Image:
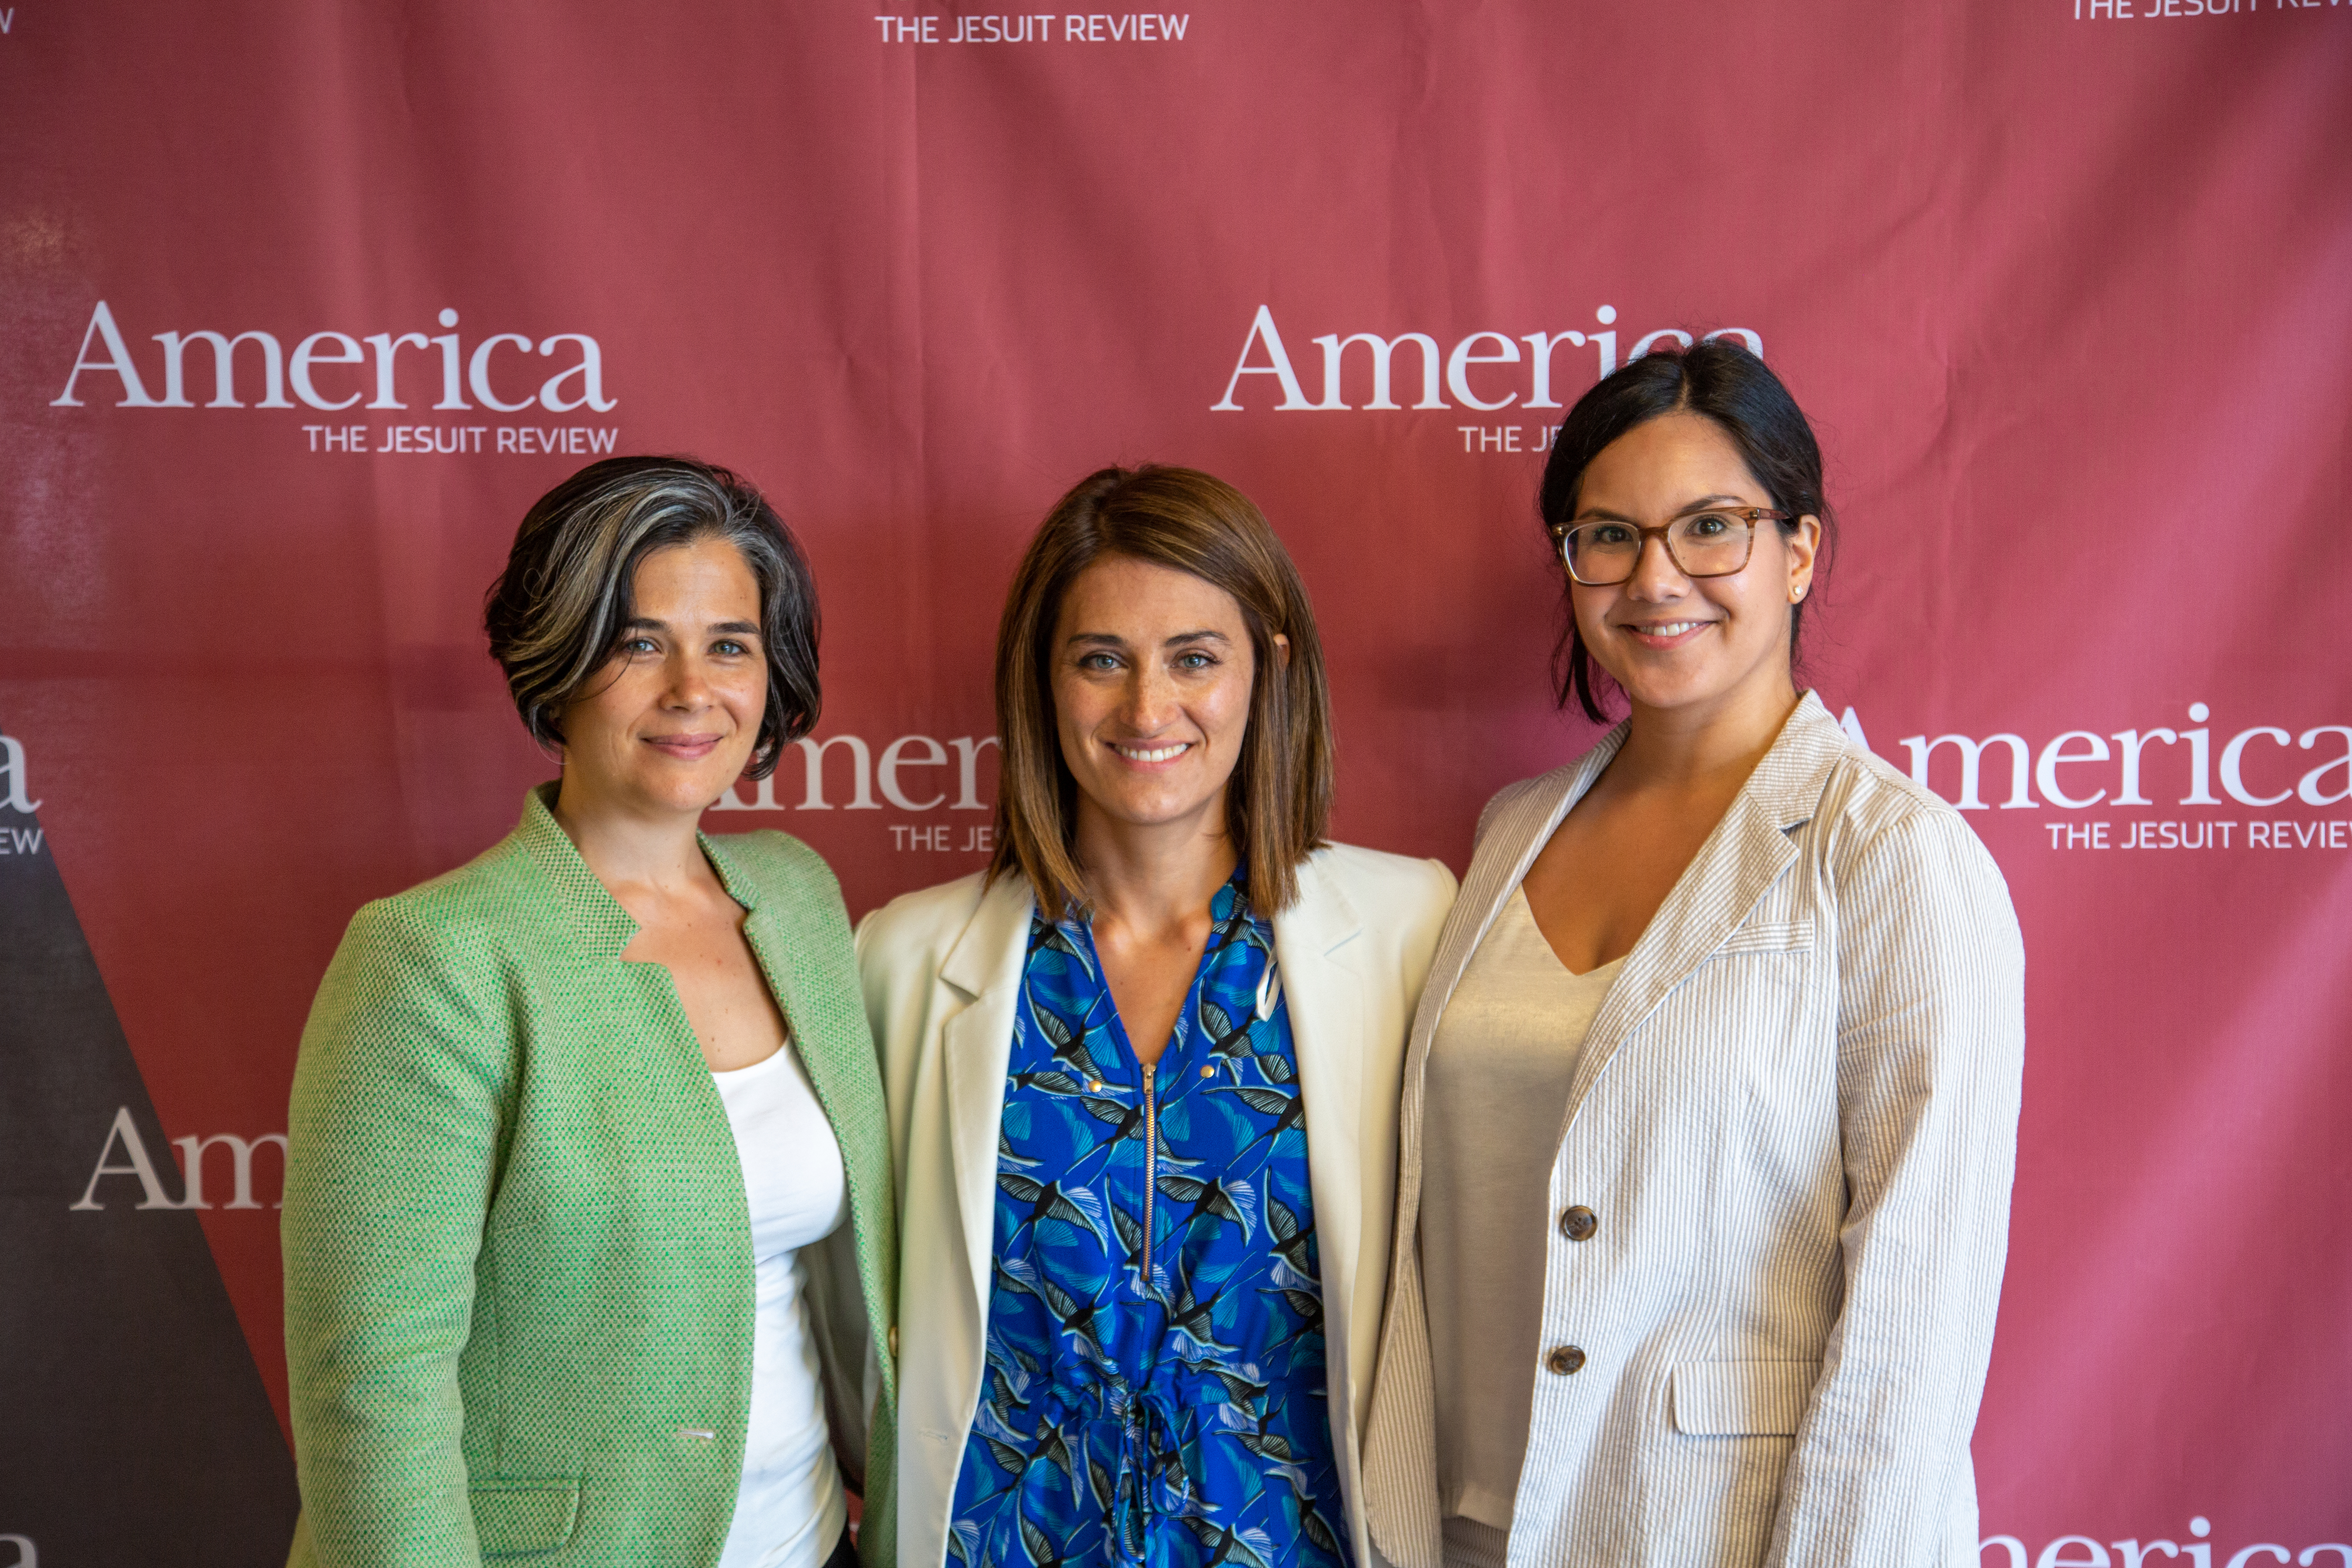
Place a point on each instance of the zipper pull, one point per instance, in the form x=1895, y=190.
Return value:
x=1151, y=1169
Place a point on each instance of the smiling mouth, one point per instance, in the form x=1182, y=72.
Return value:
x=1160, y=754
x=683, y=744
x=1667, y=628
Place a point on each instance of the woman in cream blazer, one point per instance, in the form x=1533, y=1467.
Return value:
x=947, y=970
x=1749, y=1279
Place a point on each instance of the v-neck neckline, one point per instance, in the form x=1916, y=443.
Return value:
x=1182, y=1034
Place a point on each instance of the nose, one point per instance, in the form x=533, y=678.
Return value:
x=1655, y=575
x=1149, y=698
x=688, y=684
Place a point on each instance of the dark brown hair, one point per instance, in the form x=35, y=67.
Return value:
x=1724, y=382
x=557, y=611
x=1278, y=802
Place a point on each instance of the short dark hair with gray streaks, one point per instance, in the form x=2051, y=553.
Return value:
x=556, y=613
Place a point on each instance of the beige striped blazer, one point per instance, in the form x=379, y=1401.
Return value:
x=1795, y=1118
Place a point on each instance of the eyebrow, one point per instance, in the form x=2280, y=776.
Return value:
x=728, y=629
x=1108, y=639
x=1601, y=514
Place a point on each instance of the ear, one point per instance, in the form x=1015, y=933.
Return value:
x=1282, y=650
x=1803, y=546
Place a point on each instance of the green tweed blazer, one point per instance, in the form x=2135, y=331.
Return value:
x=519, y=1278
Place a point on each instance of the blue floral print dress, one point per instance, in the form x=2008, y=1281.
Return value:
x=1154, y=1391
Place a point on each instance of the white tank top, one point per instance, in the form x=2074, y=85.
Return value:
x=789, y=1508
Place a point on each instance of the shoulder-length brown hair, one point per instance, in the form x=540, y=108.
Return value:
x=1278, y=802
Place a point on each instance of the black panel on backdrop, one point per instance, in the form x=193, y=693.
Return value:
x=136, y=1427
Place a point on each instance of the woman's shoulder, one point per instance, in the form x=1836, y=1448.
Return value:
x=1385, y=880
x=1866, y=797
x=928, y=920
x=1877, y=823
x=1548, y=782
x=495, y=893
x=1398, y=902
x=1540, y=792
x=444, y=946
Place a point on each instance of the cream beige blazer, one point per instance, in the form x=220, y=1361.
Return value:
x=941, y=970
x=1795, y=1120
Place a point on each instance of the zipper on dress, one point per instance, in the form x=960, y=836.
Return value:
x=1150, y=1168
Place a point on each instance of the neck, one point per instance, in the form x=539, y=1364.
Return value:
x=625, y=846
x=1150, y=878
x=1694, y=748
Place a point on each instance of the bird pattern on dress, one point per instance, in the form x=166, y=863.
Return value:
x=1154, y=1391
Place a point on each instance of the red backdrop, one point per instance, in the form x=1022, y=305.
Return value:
x=2065, y=284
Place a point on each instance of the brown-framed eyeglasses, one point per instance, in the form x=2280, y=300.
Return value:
x=1715, y=542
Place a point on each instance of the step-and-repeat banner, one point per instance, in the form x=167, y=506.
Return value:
x=301, y=304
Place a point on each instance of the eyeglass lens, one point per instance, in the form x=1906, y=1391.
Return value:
x=1707, y=544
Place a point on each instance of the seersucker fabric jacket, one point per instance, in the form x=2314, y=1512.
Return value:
x=942, y=972
x=519, y=1273
x=1795, y=1118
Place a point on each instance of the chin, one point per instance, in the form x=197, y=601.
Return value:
x=1151, y=812
x=684, y=797
x=1670, y=693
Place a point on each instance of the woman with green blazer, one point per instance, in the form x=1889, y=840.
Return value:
x=589, y=1239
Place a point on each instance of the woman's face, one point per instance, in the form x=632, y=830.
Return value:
x=668, y=725
x=1683, y=644
x=1151, y=676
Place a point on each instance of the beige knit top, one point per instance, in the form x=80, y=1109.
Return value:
x=1498, y=1094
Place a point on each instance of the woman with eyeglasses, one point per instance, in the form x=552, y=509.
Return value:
x=1710, y=1108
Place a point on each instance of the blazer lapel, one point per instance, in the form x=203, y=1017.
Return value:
x=774, y=928
x=982, y=975
x=1311, y=948
x=1520, y=829
x=782, y=959
x=817, y=997
x=1747, y=853
x=800, y=937
x=604, y=926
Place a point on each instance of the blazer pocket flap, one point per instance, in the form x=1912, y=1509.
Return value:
x=522, y=1519
x=1743, y=1398
x=1770, y=936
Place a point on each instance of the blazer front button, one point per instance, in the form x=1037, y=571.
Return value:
x=1564, y=1359
x=1578, y=1224
x=894, y=1341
